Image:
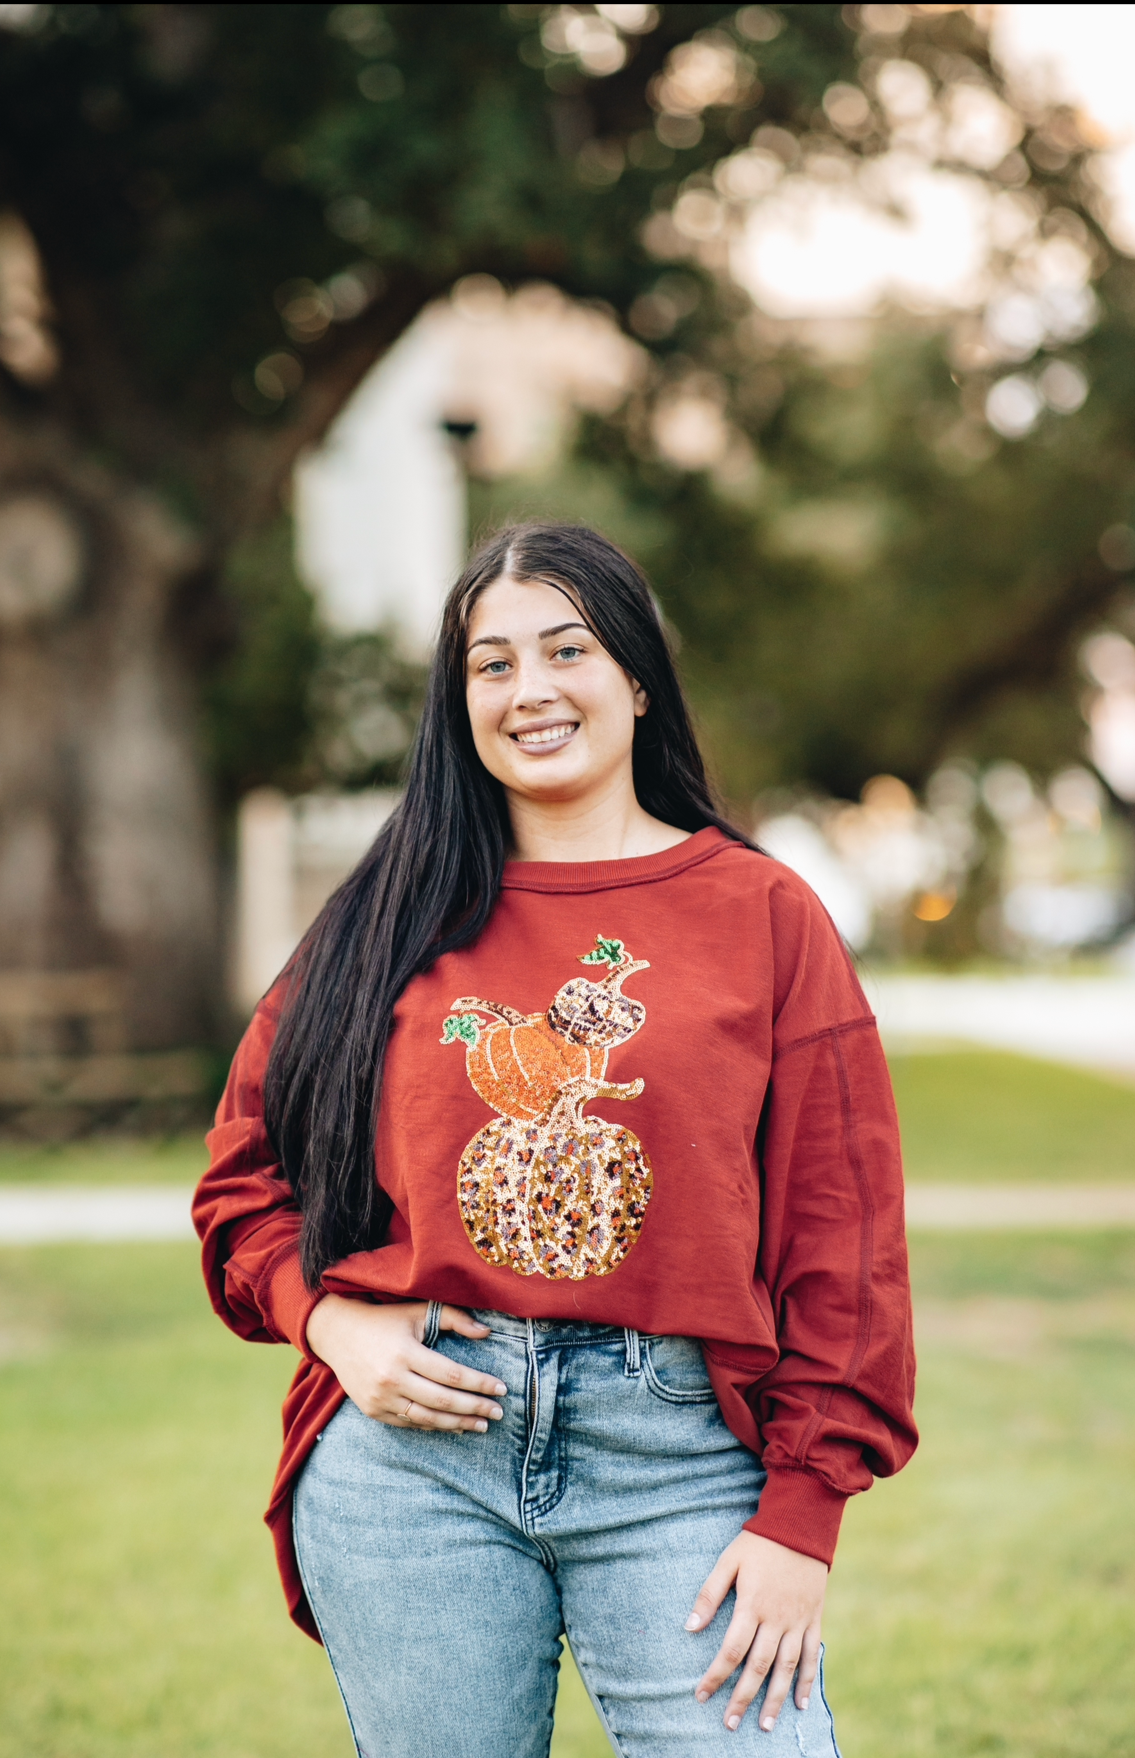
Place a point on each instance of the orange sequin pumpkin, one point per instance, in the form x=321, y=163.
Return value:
x=519, y=1069
x=542, y=1189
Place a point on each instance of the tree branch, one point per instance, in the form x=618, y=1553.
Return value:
x=1033, y=652
x=333, y=370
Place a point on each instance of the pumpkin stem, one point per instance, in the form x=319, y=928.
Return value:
x=574, y=1094
x=614, y=979
x=624, y=1089
x=496, y=1008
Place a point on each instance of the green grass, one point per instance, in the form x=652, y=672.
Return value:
x=982, y=1602
x=967, y=1116
x=141, y=1615
x=983, y=1115
x=178, y=1159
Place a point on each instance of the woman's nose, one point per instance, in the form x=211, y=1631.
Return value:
x=534, y=688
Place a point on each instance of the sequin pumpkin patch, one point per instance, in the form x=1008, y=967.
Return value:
x=543, y=1190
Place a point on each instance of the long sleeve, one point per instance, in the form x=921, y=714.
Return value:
x=245, y=1213
x=836, y=1408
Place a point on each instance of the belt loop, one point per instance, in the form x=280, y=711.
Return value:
x=634, y=1352
x=433, y=1323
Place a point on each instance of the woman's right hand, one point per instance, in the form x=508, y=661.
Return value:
x=377, y=1355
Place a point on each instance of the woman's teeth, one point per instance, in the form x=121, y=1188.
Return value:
x=547, y=735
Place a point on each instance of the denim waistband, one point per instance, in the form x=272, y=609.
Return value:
x=547, y=1330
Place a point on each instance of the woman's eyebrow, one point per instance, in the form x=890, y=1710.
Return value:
x=544, y=635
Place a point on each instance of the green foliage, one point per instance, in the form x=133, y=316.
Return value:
x=874, y=601
x=286, y=703
x=258, y=714
x=898, y=584
x=240, y=207
x=365, y=699
x=181, y=166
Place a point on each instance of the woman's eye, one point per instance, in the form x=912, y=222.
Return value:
x=495, y=668
x=568, y=652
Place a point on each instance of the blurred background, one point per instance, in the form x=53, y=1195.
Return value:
x=828, y=315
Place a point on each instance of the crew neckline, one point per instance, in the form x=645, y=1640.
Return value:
x=610, y=875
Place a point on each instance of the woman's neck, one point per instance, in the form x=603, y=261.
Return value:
x=611, y=828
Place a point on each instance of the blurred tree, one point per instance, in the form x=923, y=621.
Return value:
x=866, y=573
x=215, y=219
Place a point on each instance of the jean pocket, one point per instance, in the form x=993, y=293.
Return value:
x=674, y=1368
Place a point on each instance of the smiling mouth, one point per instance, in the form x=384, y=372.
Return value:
x=545, y=738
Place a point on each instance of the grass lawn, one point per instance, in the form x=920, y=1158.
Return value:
x=982, y=1603
x=985, y=1115
x=176, y=1159
x=967, y=1115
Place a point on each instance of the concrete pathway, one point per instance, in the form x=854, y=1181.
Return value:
x=986, y=1207
x=33, y=1214
x=37, y=1214
x=1089, y=1021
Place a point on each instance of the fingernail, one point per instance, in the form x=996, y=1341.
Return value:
x=496, y=1412
x=500, y=1389
x=733, y=1722
x=702, y=1696
x=481, y=1426
x=768, y=1724
x=693, y=1622
x=803, y=1702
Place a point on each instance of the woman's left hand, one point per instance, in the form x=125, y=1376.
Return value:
x=775, y=1624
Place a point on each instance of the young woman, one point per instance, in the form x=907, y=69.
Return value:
x=564, y=1152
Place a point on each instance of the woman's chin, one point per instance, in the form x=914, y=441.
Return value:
x=548, y=781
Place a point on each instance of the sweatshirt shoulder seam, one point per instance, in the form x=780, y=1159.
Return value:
x=863, y=1023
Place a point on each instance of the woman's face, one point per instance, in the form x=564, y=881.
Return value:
x=552, y=713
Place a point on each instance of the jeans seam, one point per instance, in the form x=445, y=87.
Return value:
x=596, y=1704
x=322, y=1637
x=667, y=1396
x=826, y=1704
x=532, y=1416
x=555, y=1438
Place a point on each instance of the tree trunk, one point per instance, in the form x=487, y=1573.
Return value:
x=107, y=861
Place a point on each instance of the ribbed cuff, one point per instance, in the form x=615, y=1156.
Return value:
x=800, y=1511
x=286, y=1300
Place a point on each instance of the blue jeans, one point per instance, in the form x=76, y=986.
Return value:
x=443, y=1568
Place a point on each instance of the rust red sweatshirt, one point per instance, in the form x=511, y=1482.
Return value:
x=651, y=1094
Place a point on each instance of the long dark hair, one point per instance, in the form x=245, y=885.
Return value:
x=429, y=882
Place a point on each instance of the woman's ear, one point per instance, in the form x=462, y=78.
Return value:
x=641, y=699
